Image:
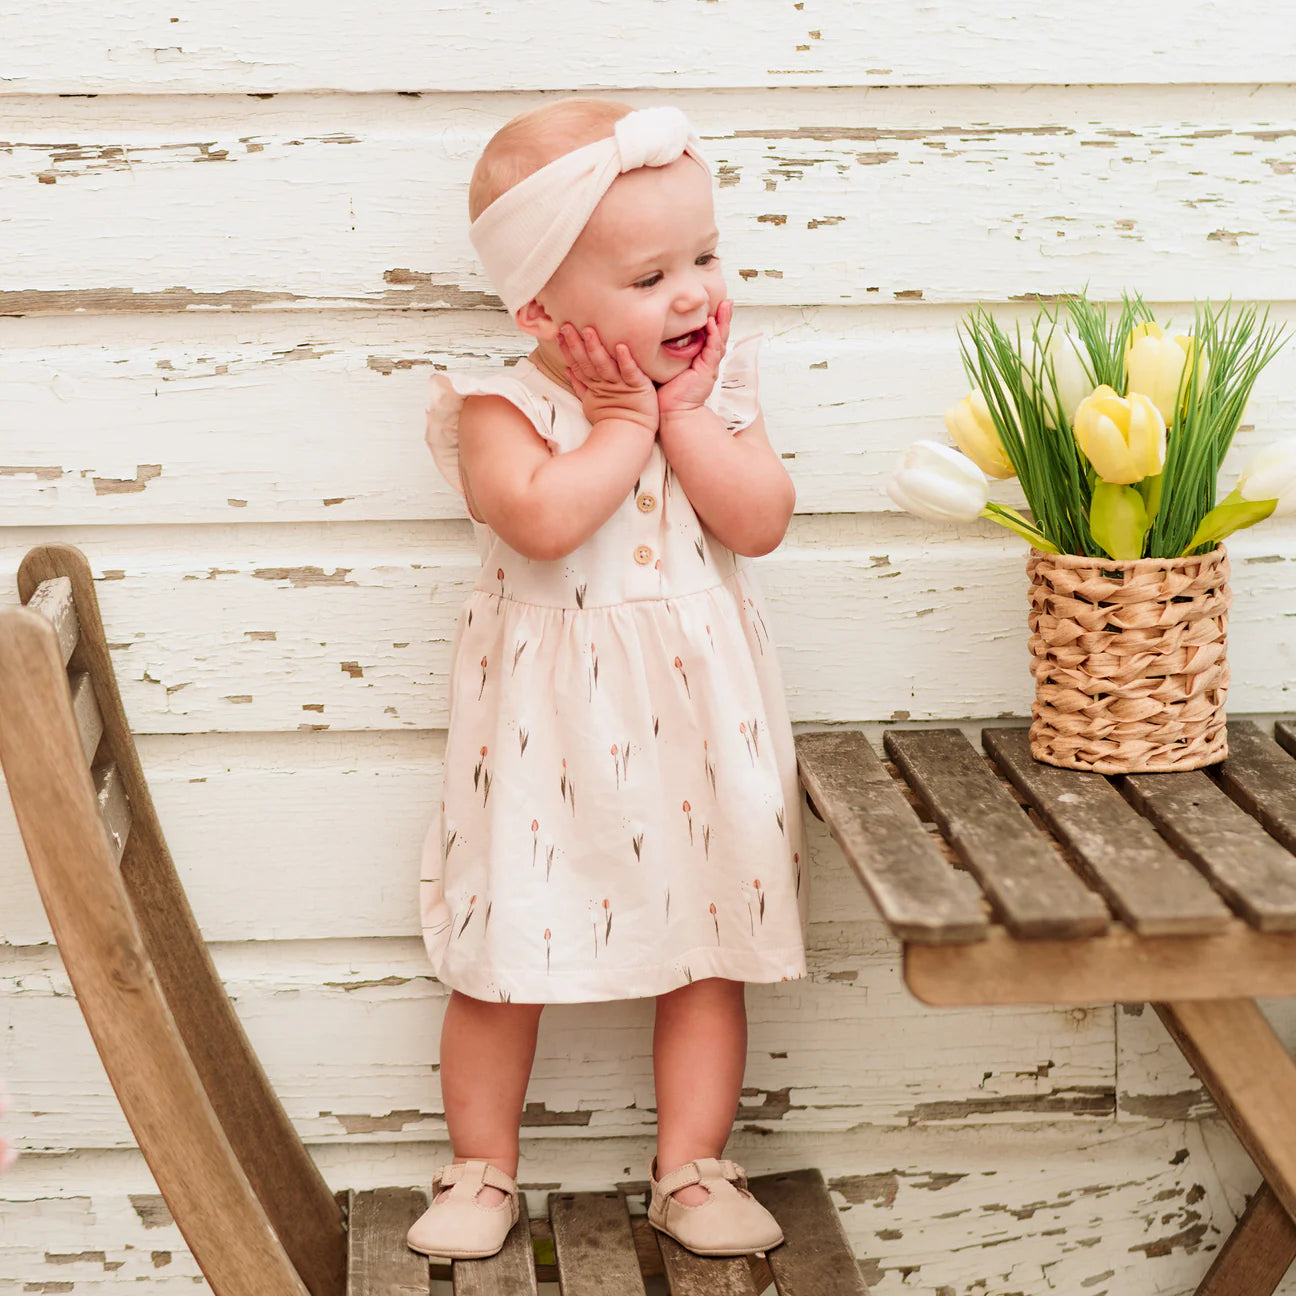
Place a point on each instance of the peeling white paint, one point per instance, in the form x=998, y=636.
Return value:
x=213, y=365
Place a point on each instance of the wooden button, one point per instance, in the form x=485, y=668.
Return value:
x=643, y=555
x=646, y=502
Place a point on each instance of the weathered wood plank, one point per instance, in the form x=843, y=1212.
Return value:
x=1261, y=778
x=358, y=635
x=378, y=1261
x=358, y=620
x=143, y=48
x=1118, y=967
x=693, y=1275
x=1285, y=735
x=1248, y=868
x=915, y=890
x=1025, y=879
x=1252, y=1078
x=347, y=1031
x=1259, y=1251
x=114, y=808
x=324, y=832
x=510, y=1272
x=815, y=1258
x=164, y=385
x=1150, y=888
x=796, y=200
x=85, y=710
x=53, y=600
x=594, y=1245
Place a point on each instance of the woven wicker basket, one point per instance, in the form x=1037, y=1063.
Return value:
x=1129, y=661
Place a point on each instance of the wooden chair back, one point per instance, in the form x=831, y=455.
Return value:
x=242, y=1188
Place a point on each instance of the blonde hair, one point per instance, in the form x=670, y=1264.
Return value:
x=533, y=140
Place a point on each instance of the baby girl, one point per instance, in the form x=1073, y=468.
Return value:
x=620, y=814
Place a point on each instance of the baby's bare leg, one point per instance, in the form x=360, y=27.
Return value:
x=699, y=1051
x=486, y=1054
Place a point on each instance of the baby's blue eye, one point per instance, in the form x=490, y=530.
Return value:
x=650, y=282
x=706, y=258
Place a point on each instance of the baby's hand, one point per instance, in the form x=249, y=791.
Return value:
x=609, y=386
x=689, y=390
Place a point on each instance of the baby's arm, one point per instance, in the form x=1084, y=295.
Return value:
x=735, y=482
x=545, y=505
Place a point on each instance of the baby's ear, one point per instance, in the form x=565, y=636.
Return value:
x=534, y=319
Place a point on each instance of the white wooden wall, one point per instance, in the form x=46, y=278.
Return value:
x=232, y=248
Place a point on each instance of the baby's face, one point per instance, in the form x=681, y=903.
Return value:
x=644, y=270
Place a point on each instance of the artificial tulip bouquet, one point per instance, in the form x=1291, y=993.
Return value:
x=1116, y=434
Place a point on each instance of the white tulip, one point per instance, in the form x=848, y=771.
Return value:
x=1270, y=474
x=939, y=484
x=1073, y=380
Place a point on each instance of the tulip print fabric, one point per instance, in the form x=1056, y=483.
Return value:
x=620, y=811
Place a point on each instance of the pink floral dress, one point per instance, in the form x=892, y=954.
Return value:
x=620, y=812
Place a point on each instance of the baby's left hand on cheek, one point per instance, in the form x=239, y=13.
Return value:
x=689, y=390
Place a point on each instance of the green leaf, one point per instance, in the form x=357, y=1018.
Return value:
x=1118, y=520
x=1014, y=521
x=1232, y=515
x=1150, y=489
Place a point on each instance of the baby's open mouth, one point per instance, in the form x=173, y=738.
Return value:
x=684, y=341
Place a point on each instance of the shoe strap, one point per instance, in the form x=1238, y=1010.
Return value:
x=474, y=1175
x=697, y=1172
x=682, y=1177
x=713, y=1168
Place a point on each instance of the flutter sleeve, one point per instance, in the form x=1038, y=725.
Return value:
x=445, y=402
x=736, y=396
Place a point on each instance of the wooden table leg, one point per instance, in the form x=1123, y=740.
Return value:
x=1252, y=1079
x=1257, y=1254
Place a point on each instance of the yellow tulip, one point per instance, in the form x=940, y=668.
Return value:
x=974, y=432
x=1124, y=439
x=1155, y=366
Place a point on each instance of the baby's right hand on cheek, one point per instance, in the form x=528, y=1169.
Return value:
x=610, y=385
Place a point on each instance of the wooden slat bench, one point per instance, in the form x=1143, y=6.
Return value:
x=238, y=1181
x=1058, y=886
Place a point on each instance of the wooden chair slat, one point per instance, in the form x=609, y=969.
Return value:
x=913, y=886
x=114, y=809
x=594, y=1245
x=1285, y=735
x=101, y=944
x=86, y=710
x=1030, y=885
x=511, y=1272
x=693, y=1275
x=378, y=1261
x=1117, y=967
x=1261, y=778
x=53, y=600
x=815, y=1258
x=1150, y=888
x=1248, y=868
x=298, y=1203
x=1255, y=1257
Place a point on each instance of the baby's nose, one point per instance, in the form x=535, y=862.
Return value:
x=691, y=294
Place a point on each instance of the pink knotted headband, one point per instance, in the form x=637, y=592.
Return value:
x=525, y=234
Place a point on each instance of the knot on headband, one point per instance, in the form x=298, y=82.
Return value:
x=525, y=234
x=652, y=137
